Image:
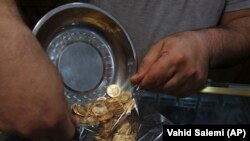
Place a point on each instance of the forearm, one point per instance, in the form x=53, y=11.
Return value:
x=17, y=43
x=228, y=43
x=12, y=30
x=9, y=11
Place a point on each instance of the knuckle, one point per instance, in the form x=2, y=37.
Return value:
x=170, y=85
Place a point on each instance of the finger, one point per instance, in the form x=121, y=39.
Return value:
x=160, y=72
x=178, y=80
x=147, y=62
x=180, y=90
x=184, y=90
x=156, y=89
x=188, y=86
x=137, y=78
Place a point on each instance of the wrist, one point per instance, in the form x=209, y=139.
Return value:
x=210, y=39
x=226, y=46
x=203, y=41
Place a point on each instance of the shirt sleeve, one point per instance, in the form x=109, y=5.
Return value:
x=234, y=5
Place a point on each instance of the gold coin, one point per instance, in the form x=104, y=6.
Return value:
x=88, y=120
x=113, y=90
x=115, y=107
x=92, y=120
x=79, y=109
x=73, y=108
x=111, y=100
x=82, y=109
x=125, y=96
x=99, y=108
x=101, y=98
x=105, y=117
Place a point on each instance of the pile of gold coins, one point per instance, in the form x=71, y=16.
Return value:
x=110, y=114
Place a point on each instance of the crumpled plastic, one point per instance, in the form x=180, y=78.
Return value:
x=150, y=124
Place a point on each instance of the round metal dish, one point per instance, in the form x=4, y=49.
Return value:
x=90, y=49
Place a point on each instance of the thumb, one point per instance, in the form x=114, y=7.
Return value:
x=137, y=78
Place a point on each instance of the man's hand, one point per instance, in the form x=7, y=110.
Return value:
x=177, y=64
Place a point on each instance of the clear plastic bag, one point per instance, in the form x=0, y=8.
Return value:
x=124, y=123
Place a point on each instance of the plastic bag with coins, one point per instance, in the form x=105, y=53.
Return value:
x=110, y=118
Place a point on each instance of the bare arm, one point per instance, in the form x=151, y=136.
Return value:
x=230, y=42
x=179, y=64
x=32, y=103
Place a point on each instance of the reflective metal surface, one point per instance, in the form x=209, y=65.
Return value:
x=90, y=49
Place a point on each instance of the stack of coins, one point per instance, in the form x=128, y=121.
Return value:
x=107, y=113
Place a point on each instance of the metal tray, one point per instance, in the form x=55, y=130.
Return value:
x=89, y=47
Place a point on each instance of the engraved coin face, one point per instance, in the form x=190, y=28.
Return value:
x=125, y=96
x=82, y=109
x=99, y=108
x=113, y=90
x=79, y=109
